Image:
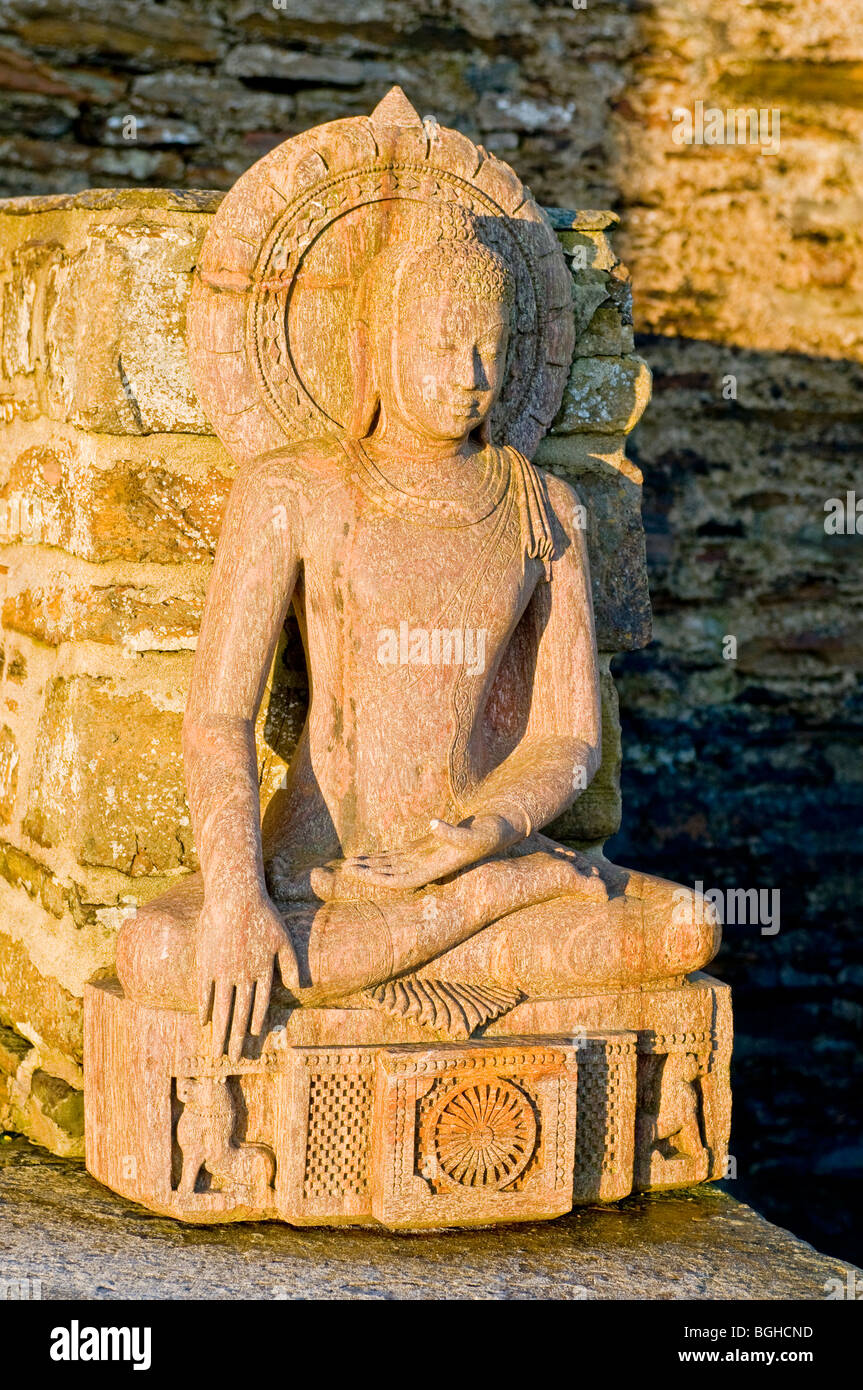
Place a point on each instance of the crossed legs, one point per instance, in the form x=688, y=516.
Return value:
x=535, y=921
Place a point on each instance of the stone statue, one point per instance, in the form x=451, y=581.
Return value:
x=442, y=589
x=381, y=334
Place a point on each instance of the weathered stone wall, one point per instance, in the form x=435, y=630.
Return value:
x=744, y=264
x=746, y=773
x=112, y=488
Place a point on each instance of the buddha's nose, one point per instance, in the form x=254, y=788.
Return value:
x=471, y=373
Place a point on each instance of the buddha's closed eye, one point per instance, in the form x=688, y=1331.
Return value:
x=446, y=344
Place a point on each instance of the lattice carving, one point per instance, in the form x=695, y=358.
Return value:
x=339, y=1115
x=606, y=1116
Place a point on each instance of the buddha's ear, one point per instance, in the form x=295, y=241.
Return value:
x=484, y=432
x=366, y=397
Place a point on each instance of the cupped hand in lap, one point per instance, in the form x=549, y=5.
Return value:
x=446, y=849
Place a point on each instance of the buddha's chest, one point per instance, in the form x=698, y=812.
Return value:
x=380, y=571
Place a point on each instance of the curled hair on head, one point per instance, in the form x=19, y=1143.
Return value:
x=466, y=265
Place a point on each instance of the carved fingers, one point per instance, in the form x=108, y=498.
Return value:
x=445, y=850
x=289, y=971
x=223, y=1001
x=263, y=986
x=399, y=871
x=459, y=836
x=236, y=1009
x=243, y=993
x=236, y=950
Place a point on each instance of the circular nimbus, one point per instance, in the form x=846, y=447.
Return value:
x=270, y=311
x=484, y=1133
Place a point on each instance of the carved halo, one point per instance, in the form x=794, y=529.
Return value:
x=270, y=310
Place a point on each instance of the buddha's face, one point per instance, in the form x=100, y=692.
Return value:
x=443, y=367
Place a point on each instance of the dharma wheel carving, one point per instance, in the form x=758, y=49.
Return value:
x=484, y=1133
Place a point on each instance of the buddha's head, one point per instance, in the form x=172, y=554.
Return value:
x=430, y=337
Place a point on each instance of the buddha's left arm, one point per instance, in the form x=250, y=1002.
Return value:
x=560, y=750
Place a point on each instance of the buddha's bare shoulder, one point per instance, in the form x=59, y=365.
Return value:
x=298, y=477
x=310, y=465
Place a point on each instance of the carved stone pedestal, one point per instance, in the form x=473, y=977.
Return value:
x=349, y=1117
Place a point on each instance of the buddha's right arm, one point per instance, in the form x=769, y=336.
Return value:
x=250, y=589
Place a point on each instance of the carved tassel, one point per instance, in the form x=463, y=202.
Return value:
x=533, y=505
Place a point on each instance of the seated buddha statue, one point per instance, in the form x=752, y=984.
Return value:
x=440, y=583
